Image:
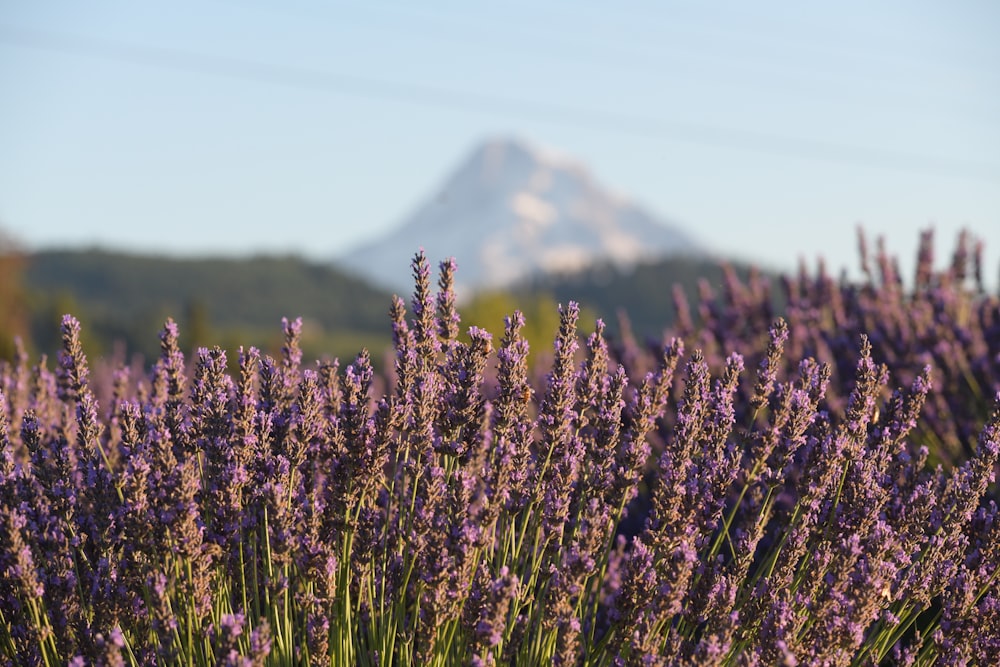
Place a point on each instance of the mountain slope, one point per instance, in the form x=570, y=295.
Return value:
x=512, y=211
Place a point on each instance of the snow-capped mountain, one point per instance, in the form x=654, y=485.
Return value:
x=512, y=210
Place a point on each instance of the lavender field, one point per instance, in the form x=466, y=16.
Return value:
x=809, y=485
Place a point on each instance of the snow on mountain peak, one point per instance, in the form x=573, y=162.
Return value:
x=512, y=210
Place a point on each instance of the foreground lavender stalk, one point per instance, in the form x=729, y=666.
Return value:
x=698, y=514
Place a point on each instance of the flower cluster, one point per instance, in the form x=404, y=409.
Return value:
x=938, y=317
x=287, y=514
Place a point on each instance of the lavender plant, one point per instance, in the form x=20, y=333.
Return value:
x=292, y=515
x=942, y=317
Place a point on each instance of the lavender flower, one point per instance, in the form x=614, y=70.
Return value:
x=769, y=365
x=837, y=507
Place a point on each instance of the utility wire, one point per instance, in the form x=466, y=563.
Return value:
x=846, y=45
x=463, y=100
x=560, y=47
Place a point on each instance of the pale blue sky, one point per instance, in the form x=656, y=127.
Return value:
x=767, y=129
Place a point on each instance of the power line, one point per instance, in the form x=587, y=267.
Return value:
x=463, y=100
x=844, y=46
x=556, y=45
x=553, y=44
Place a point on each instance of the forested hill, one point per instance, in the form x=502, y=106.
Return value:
x=644, y=293
x=214, y=300
x=233, y=302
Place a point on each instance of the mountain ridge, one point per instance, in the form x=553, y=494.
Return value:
x=511, y=211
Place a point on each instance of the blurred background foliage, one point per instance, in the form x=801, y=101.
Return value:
x=13, y=302
x=122, y=301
